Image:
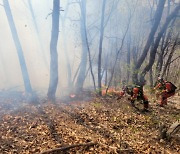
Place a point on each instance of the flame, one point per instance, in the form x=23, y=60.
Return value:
x=110, y=91
x=72, y=95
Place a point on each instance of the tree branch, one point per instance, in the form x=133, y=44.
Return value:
x=174, y=59
x=48, y=15
x=68, y=147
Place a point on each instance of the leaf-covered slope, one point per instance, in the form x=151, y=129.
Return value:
x=113, y=125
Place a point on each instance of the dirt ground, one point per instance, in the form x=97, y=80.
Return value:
x=97, y=125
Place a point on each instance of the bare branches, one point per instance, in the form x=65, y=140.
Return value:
x=156, y=44
x=174, y=59
x=48, y=15
x=65, y=148
x=157, y=19
x=118, y=52
x=51, y=12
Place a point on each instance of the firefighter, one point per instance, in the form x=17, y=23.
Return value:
x=166, y=89
x=138, y=94
x=124, y=89
x=159, y=87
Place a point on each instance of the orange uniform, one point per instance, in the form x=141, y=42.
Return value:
x=167, y=91
x=138, y=94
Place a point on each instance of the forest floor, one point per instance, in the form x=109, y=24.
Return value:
x=90, y=125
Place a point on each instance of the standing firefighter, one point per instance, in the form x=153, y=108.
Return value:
x=165, y=90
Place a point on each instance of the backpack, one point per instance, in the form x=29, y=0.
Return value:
x=173, y=87
x=140, y=94
x=129, y=89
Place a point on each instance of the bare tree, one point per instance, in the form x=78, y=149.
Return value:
x=63, y=22
x=53, y=51
x=168, y=62
x=157, y=18
x=18, y=46
x=156, y=44
x=37, y=31
x=83, y=63
x=128, y=58
x=100, y=45
x=118, y=52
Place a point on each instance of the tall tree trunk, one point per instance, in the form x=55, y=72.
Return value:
x=117, y=54
x=100, y=46
x=69, y=71
x=128, y=59
x=156, y=44
x=164, y=47
x=151, y=77
x=37, y=32
x=53, y=51
x=170, y=56
x=90, y=59
x=33, y=17
x=19, y=49
x=83, y=64
x=69, y=74
x=157, y=18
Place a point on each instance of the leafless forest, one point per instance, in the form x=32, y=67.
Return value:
x=62, y=67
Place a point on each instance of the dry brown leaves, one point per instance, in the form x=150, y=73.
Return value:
x=113, y=124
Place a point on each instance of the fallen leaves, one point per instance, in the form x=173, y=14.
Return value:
x=111, y=123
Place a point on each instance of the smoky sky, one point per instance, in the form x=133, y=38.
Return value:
x=36, y=42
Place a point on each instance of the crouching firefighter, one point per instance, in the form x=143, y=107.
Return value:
x=138, y=94
x=167, y=89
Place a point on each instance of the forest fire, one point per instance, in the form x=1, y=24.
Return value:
x=89, y=76
x=72, y=95
x=111, y=91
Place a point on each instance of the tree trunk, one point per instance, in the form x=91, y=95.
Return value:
x=37, y=32
x=19, y=49
x=128, y=59
x=100, y=46
x=157, y=18
x=161, y=56
x=156, y=44
x=83, y=64
x=69, y=74
x=170, y=56
x=53, y=51
x=117, y=54
x=69, y=71
x=164, y=46
x=90, y=59
x=151, y=77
